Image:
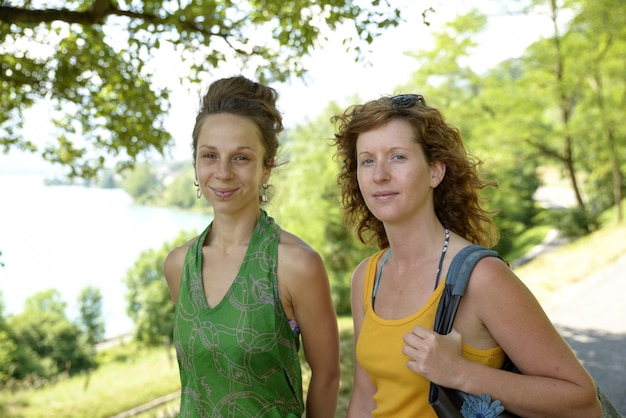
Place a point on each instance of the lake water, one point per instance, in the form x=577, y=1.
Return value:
x=69, y=237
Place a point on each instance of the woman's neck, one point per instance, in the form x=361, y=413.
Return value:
x=232, y=230
x=408, y=242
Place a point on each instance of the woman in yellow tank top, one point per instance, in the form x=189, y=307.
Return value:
x=409, y=185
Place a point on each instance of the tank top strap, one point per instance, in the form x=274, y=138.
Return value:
x=370, y=278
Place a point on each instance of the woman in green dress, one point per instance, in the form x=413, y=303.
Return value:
x=245, y=290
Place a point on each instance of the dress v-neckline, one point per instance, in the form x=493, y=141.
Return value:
x=199, y=266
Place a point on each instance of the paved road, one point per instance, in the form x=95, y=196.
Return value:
x=591, y=316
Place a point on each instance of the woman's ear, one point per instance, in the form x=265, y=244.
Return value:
x=267, y=171
x=438, y=172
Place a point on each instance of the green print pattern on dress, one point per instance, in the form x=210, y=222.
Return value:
x=239, y=358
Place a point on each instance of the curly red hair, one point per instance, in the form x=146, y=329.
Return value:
x=457, y=200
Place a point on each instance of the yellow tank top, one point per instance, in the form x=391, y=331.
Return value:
x=401, y=392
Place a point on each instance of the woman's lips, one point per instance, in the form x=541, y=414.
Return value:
x=384, y=195
x=224, y=193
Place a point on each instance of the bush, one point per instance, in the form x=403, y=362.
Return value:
x=574, y=222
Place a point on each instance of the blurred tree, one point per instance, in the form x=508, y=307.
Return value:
x=551, y=107
x=180, y=191
x=90, y=59
x=310, y=202
x=142, y=183
x=15, y=362
x=48, y=343
x=149, y=303
x=8, y=348
x=598, y=40
x=573, y=122
x=478, y=105
x=444, y=75
x=106, y=179
x=154, y=321
x=8, y=356
x=46, y=301
x=505, y=114
x=549, y=65
x=90, y=315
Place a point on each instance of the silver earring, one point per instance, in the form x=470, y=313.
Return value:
x=198, y=191
x=264, y=193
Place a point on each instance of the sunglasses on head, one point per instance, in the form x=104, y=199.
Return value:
x=405, y=101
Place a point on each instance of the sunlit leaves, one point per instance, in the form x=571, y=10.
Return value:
x=95, y=74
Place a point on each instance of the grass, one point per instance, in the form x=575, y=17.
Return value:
x=526, y=241
x=129, y=377
x=549, y=273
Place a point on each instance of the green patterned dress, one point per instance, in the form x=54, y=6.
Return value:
x=239, y=358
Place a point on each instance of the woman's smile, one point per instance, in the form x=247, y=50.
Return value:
x=384, y=195
x=222, y=193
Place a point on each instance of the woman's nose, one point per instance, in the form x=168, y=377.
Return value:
x=381, y=172
x=224, y=169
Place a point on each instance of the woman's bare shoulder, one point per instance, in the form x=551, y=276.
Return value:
x=181, y=250
x=292, y=246
x=173, y=268
x=175, y=259
x=358, y=274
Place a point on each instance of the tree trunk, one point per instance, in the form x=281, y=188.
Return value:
x=565, y=102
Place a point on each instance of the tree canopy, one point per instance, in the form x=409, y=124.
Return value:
x=91, y=60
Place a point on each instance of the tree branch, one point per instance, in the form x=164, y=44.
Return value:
x=96, y=15
x=100, y=10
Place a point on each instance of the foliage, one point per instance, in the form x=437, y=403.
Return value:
x=149, y=303
x=599, y=39
x=579, y=71
x=128, y=376
x=576, y=260
x=141, y=183
x=8, y=349
x=163, y=184
x=574, y=222
x=513, y=200
x=107, y=179
x=48, y=343
x=310, y=205
x=525, y=242
x=151, y=373
x=180, y=191
x=572, y=124
x=90, y=315
x=92, y=60
x=477, y=106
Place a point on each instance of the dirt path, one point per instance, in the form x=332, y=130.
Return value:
x=591, y=316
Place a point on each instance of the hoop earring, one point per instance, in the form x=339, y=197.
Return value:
x=264, y=198
x=198, y=191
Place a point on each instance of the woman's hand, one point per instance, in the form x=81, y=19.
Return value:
x=436, y=357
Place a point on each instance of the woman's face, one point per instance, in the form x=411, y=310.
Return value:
x=229, y=162
x=394, y=177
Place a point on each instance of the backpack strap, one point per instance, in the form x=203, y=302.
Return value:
x=456, y=281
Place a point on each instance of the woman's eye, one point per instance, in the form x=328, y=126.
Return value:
x=366, y=161
x=398, y=157
x=241, y=158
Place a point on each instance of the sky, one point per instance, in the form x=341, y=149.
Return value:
x=333, y=75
